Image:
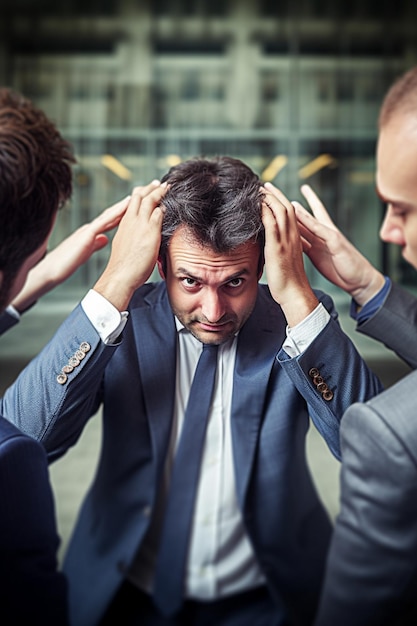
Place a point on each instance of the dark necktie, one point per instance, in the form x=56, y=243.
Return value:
x=168, y=589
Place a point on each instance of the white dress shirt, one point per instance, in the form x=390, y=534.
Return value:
x=221, y=559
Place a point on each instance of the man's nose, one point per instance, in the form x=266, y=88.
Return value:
x=212, y=307
x=391, y=229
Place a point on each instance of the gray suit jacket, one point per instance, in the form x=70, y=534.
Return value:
x=371, y=576
x=274, y=398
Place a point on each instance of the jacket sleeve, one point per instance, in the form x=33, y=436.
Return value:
x=32, y=589
x=371, y=569
x=395, y=324
x=7, y=321
x=331, y=375
x=51, y=401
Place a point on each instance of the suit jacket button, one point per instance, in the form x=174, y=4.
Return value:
x=314, y=372
x=328, y=395
x=85, y=347
x=318, y=380
x=62, y=378
x=322, y=387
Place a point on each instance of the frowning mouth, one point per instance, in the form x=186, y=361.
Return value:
x=212, y=327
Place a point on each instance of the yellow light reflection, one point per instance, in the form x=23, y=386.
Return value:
x=115, y=166
x=323, y=160
x=274, y=167
x=173, y=159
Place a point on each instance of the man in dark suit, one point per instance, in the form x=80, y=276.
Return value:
x=371, y=575
x=259, y=535
x=35, y=181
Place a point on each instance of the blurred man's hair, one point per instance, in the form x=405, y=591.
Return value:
x=35, y=181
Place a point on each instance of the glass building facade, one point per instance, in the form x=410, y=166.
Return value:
x=292, y=88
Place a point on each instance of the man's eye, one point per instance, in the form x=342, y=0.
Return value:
x=235, y=282
x=188, y=282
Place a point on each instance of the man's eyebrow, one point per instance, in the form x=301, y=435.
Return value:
x=183, y=270
x=381, y=196
x=199, y=279
x=397, y=203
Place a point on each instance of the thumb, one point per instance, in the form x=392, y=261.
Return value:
x=100, y=241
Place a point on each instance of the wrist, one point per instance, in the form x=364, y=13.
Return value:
x=363, y=294
x=115, y=291
x=297, y=309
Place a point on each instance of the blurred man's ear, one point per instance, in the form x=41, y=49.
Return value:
x=161, y=267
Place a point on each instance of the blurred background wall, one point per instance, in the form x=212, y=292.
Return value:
x=292, y=87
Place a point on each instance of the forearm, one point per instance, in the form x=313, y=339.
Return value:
x=38, y=283
x=395, y=324
x=54, y=410
x=333, y=357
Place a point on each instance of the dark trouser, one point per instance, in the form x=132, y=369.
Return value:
x=132, y=607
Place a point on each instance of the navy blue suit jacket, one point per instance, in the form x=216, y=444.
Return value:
x=274, y=398
x=32, y=590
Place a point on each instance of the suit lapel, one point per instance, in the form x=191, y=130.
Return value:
x=259, y=341
x=156, y=337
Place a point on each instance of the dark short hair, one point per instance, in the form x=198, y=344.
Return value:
x=35, y=181
x=218, y=200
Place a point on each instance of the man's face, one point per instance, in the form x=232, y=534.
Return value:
x=211, y=294
x=396, y=180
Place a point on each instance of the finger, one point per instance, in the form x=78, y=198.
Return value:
x=139, y=193
x=100, y=241
x=278, y=194
x=311, y=223
x=144, y=190
x=303, y=216
x=284, y=213
x=316, y=205
x=268, y=217
x=273, y=213
x=299, y=208
x=307, y=235
x=306, y=244
x=151, y=203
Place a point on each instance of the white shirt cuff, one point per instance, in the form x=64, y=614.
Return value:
x=106, y=319
x=301, y=336
x=13, y=312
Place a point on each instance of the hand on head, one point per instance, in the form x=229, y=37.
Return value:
x=332, y=253
x=135, y=246
x=284, y=264
x=61, y=262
